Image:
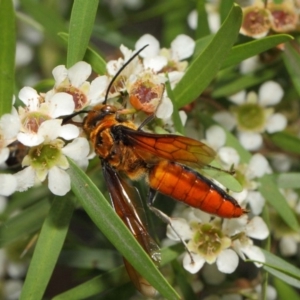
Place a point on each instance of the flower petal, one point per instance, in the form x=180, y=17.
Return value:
x=257, y=228
x=226, y=119
x=79, y=73
x=192, y=19
x=250, y=141
x=30, y=98
x=29, y=139
x=256, y=202
x=215, y=136
x=77, y=149
x=61, y=104
x=50, y=129
x=288, y=246
x=229, y=156
x=25, y=179
x=182, y=47
x=165, y=109
x=152, y=49
x=258, y=166
x=8, y=184
x=193, y=267
x=182, y=229
x=232, y=227
x=9, y=126
x=238, y=98
x=155, y=63
x=59, y=73
x=227, y=261
x=276, y=122
x=97, y=89
x=270, y=93
x=69, y=132
x=4, y=154
x=254, y=253
x=59, y=181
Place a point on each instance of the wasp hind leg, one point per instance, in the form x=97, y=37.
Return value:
x=166, y=219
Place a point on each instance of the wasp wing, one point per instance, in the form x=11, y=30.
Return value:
x=123, y=198
x=175, y=148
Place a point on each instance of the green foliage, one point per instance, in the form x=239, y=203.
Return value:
x=91, y=31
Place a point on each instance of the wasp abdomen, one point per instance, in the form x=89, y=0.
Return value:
x=184, y=184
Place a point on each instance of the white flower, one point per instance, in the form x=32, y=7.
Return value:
x=206, y=242
x=73, y=81
x=240, y=230
x=39, y=112
x=49, y=159
x=253, y=116
x=213, y=18
x=156, y=59
x=9, y=128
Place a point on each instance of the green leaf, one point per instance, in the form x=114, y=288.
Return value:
x=286, y=141
x=47, y=250
x=284, y=291
x=288, y=180
x=270, y=192
x=96, y=285
x=86, y=258
x=205, y=66
x=80, y=29
x=7, y=55
x=243, y=51
x=26, y=222
x=113, y=278
x=202, y=25
x=291, y=60
x=91, y=56
x=242, y=82
x=51, y=21
x=114, y=229
x=281, y=269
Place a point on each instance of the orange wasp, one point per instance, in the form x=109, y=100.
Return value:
x=166, y=161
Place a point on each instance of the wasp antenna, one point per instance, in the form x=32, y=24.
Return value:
x=69, y=117
x=120, y=70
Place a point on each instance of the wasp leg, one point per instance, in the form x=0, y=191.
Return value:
x=166, y=219
x=146, y=121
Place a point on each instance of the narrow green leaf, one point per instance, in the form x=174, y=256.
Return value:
x=80, y=29
x=7, y=55
x=114, y=229
x=175, y=116
x=270, y=192
x=224, y=9
x=113, y=278
x=204, y=67
x=86, y=258
x=291, y=60
x=183, y=281
x=202, y=26
x=47, y=250
x=96, y=285
x=243, y=51
x=26, y=222
x=284, y=291
x=288, y=180
x=91, y=56
x=286, y=141
x=50, y=20
x=282, y=269
x=243, y=82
